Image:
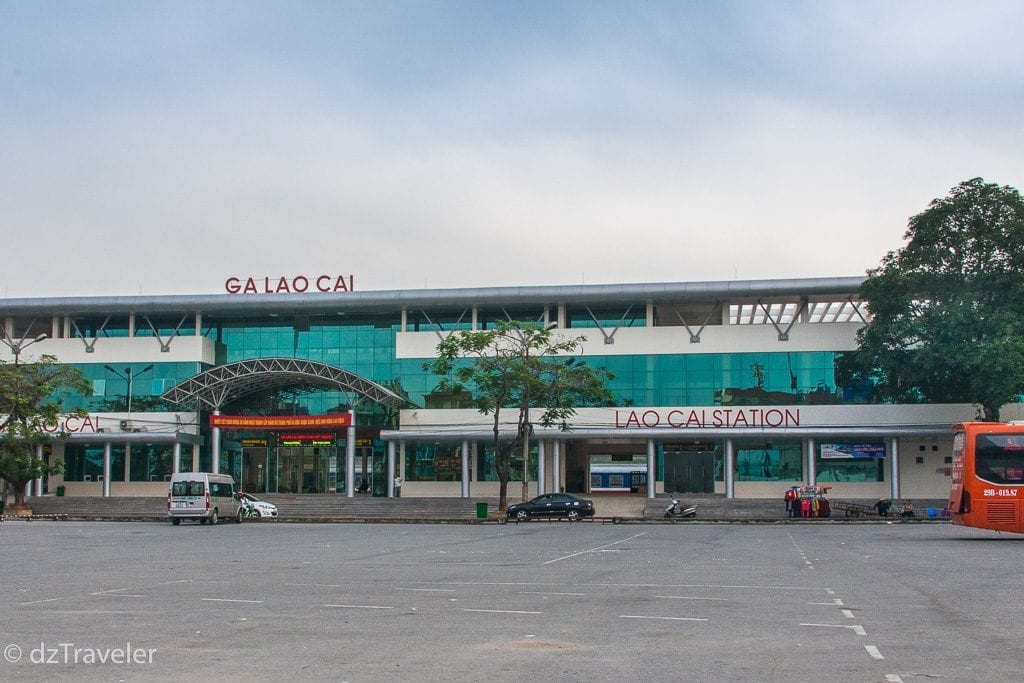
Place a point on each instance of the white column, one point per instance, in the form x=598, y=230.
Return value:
x=812, y=468
x=556, y=466
x=730, y=467
x=215, y=447
x=176, y=458
x=199, y=324
x=106, y=470
x=540, y=467
x=894, y=468
x=391, y=469
x=465, y=468
x=39, y=480
x=652, y=452
x=350, y=455
x=195, y=457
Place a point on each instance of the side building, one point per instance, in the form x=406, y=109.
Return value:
x=720, y=387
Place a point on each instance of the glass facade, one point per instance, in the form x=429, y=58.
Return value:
x=365, y=344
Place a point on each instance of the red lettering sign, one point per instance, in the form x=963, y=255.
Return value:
x=280, y=422
x=717, y=418
x=298, y=284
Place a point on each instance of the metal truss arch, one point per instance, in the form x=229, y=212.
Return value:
x=224, y=384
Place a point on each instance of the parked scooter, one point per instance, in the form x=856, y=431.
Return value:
x=246, y=510
x=676, y=509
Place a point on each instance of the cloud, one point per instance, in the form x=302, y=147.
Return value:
x=161, y=148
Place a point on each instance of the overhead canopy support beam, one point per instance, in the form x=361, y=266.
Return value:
x=225, y=384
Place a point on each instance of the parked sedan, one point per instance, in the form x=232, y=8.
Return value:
x=260, y=508
x=552, y=505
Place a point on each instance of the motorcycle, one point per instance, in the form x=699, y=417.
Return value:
x=676, y=509
x=246, y=510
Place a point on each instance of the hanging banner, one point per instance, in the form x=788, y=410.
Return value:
x=281, y=422
x=838, y=451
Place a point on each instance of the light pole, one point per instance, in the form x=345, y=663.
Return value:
x=16, y=347
x=128, y=377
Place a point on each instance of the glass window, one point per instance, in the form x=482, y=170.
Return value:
x=85, y=463
x=769, y=462
x=151, y=462
x=999, y=458
x=863, y=468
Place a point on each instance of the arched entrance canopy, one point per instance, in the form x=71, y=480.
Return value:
x=227, y=383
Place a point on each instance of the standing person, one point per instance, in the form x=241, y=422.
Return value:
x=398, y=486
x=789, y=498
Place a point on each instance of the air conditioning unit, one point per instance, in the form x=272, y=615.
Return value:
x=126, y=425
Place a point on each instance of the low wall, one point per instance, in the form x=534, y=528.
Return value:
x=117, y=488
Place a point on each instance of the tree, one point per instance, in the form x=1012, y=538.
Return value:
x=518, y=366
x=948, y=308
x=30, y=396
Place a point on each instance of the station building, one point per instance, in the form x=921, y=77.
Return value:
x=306, y=385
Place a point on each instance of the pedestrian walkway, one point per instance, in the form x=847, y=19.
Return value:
x=337, y=508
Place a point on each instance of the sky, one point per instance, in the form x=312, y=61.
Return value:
x=163, y=147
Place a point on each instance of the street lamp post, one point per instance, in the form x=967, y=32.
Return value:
x=129, y=377
x=17, y=346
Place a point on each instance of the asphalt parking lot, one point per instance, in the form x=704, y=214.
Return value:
x=558, y=601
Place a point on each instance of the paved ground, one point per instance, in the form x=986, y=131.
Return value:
x=722, y=602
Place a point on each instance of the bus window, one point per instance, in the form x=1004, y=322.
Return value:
x=999, y=458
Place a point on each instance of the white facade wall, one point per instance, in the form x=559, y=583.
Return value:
x=676, y=340
x=119, y=350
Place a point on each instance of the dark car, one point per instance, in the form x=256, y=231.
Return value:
x=552, y=505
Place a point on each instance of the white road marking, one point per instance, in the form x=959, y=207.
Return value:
x=36, y=602
x=859, y=630
x=228, y=600
x=549, y=593
x=361, y=606
x=427, y=590
x=501, y=611
x=873, y=651
x=893, y=678
x=660, y=586
x=847, y=613
x=641, y=616
x=688, y=597
x=591, y=550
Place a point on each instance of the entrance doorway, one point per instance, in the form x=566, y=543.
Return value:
x=290, y=469
x=690, y=472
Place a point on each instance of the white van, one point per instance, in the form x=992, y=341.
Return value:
x=203, y=496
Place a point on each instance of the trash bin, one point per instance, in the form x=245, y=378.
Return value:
x=60, y=491
x=481, y=510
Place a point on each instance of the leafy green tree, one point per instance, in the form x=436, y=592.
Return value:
x=30, y=396
x=948, y=308
x=518, y=366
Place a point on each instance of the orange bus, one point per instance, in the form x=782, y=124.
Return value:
x=987, y=489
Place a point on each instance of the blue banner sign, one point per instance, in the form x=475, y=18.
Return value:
x=836, y=451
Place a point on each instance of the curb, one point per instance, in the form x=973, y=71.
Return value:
x=490, y=521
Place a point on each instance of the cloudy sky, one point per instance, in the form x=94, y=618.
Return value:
x=161, y=147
